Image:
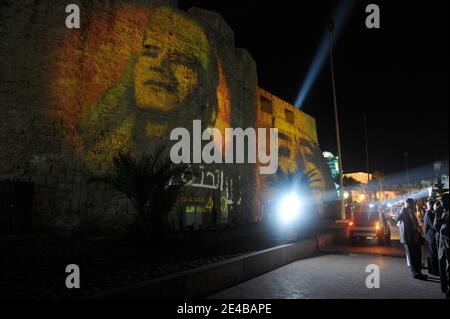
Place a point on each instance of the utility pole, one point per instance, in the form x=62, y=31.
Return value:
x=367, y=156
x=338, y=138
x=405, y=155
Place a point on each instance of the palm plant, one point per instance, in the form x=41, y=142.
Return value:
x=299, y=180
x=348, y=181
x=151, y=183
x=326, y=197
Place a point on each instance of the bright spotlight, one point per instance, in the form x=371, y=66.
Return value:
x=289, y=207
x=389, y=205
x=341, y=14
x=346, y=195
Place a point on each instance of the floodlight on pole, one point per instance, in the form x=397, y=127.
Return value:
x=338, y=138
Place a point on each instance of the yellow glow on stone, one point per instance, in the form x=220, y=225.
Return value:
x=223, y=119
x=174, y=49
x=99, y=157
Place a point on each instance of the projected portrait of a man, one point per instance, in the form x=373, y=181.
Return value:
x=170, y=81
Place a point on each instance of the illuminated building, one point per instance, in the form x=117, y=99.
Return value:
x=123, y=82
x=333, y=163
x=298, y=145
x=359, y=191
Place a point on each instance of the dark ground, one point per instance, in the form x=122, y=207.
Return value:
x=35, y=267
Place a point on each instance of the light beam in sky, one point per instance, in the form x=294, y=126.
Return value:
x=340, y=16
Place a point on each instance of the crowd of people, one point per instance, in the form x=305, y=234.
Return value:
x=432, y=231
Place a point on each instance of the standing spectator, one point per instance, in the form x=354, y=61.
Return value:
x=412, y=237
x=437, y=207
x=441, y=226
x=430, y=237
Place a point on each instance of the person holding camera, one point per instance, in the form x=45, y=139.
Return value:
x=442, y=238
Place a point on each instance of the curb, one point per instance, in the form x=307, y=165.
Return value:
x=207, y=280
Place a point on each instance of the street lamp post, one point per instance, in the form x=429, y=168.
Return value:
x=338, y=138
x=369, y=190
x=405, y=154
x=437, y=168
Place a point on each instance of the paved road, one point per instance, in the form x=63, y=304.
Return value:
x=340, y=274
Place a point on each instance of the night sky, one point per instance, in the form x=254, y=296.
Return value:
x=397, y=75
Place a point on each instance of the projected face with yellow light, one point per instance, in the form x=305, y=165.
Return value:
x=153, y=71
x=174, y=49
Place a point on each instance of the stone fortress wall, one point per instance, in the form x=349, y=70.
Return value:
x=72, y=99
